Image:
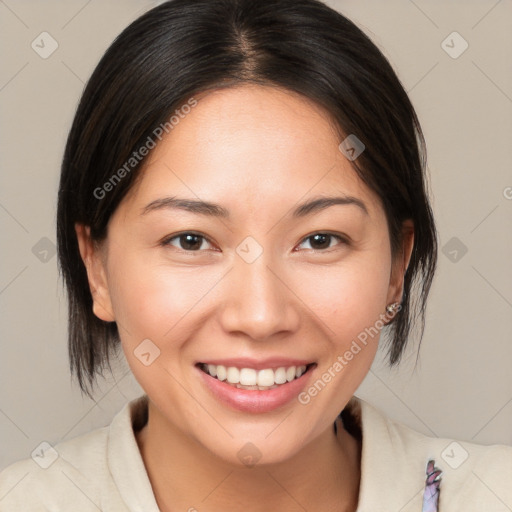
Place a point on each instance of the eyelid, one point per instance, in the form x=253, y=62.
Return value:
x=166, y=240
x=344, y=239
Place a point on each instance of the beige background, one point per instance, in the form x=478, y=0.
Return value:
x=462, y=386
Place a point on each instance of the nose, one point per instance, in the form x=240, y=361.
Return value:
x=258, y=302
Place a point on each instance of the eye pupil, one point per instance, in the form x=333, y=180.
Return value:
x=320, y=241
x=190, y=242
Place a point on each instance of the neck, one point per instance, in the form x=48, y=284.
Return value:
x=324, y=475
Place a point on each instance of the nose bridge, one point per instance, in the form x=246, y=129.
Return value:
x=258, y=303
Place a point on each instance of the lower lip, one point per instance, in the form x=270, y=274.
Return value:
x=255, y=401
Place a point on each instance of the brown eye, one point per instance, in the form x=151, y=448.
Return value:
x=320, y=241
x=188, y=242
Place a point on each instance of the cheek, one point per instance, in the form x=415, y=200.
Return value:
x=142, y=307
x=152, y=300
x=348, y=301
x=348, y=297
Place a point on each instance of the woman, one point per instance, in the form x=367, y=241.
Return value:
x=242, y=210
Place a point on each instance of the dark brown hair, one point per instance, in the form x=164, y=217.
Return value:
x=183, y=47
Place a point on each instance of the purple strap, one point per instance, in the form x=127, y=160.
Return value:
x=431, y=493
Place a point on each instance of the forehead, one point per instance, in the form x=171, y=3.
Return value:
x=249, y=146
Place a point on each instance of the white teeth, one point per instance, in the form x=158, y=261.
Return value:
x=266, y=377
x=221, y=372
x=233, y=375
x=280, y=375
x=241, y=386
x=249, y=378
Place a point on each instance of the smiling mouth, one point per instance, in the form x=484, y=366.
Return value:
x=251, y=379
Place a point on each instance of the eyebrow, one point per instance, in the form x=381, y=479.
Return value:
x=215, y=210
x=190, y=205
x=321, y=203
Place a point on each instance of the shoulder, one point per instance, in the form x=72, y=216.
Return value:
x=72, y=475
x=474, y=477
x=56, y=476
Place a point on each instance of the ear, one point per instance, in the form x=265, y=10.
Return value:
x=93, y=258
x=396, y=285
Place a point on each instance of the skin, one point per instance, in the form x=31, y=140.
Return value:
x=256, y=151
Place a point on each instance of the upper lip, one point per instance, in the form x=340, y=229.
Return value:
x=259, y=364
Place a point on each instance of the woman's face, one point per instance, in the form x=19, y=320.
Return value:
x=257, y=282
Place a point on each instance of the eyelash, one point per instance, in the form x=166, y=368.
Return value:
x=167, y=241
x=340, y=238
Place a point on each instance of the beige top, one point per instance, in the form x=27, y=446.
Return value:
x=103, y=470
